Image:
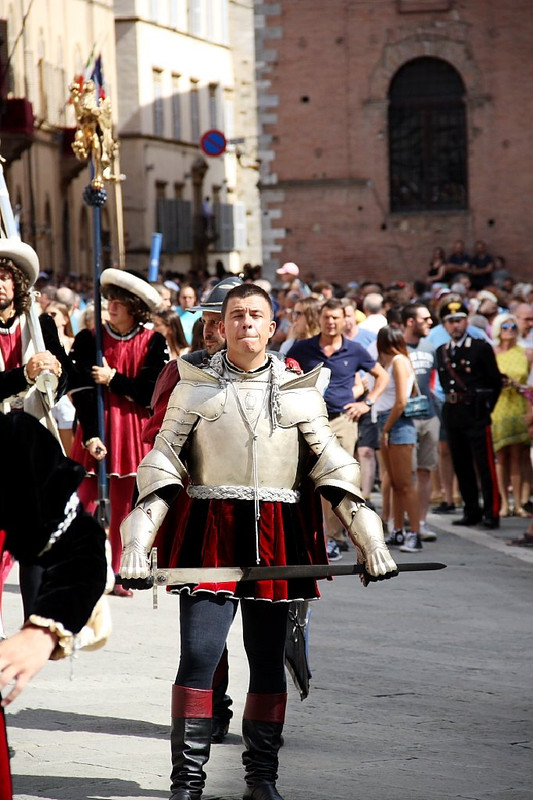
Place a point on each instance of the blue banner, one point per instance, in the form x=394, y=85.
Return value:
x=155, y=252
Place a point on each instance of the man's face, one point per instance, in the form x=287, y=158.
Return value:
x=349, y=320
x=187, y=297
x=166, y=298
x=456, y=327
x=119, y=316
x=212, y=339
x=422, y=323
x=7, y=289
x=44, y=300
x=524, y=317
x=332, y=321
x=247, y=326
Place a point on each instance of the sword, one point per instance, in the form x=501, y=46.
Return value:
x=179, y=576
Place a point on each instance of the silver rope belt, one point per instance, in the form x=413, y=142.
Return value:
x=71, y=511
x=243, y=493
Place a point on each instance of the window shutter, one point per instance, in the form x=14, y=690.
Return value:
x=239, y=226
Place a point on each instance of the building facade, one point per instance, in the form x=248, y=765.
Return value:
x=390, y=127
x=43, y=47
x=187, y=68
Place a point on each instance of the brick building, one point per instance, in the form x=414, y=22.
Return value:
x=390, y=127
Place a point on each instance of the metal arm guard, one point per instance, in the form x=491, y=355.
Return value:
x=335, y=468
x=162, y=466
x=366, y=532
x=138, y=531
x=197, y=390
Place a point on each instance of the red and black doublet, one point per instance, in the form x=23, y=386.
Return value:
x=138, y=358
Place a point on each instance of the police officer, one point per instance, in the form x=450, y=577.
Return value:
x=472, y=382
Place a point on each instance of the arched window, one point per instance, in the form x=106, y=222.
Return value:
x=427, y=137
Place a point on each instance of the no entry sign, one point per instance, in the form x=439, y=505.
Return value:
x=213, y=143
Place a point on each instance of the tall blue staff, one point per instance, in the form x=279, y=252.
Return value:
x=93, y=142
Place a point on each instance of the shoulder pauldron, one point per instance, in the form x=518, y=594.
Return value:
x=198, y=392
x=300, y=405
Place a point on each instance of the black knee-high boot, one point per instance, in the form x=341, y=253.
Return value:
x=222, y=712
x=262, y=726
x=190, y=741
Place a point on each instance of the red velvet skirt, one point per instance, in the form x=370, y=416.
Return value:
x=221, y=533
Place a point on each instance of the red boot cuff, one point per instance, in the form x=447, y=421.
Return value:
x=192, y=703
x=265, y=707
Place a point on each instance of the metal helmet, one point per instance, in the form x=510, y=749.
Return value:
x=215, y=298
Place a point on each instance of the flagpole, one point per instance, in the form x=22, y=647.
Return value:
x=96, y=198
x=93, y=142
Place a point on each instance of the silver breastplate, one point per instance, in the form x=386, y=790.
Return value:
x=242, y=447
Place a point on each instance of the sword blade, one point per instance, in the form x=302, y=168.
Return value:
x=194, y=575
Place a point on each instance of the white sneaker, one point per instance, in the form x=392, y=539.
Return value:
x=412, y=543
x=426, y=534
x=333, y=550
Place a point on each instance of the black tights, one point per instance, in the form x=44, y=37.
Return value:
x=205, y=621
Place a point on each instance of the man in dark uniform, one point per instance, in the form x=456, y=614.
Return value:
x=472, y=382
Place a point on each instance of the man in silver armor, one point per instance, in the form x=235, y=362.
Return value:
x=248, y=434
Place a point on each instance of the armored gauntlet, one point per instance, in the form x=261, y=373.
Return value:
x=138, y=531
x=366, y=532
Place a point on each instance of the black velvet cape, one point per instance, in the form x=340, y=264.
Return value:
x=36, y=482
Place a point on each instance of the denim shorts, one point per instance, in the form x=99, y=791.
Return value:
x=402, y=432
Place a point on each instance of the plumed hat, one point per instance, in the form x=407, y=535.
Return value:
x=22, y=255
x=131, y=283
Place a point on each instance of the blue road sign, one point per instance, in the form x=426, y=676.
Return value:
x=213, y=143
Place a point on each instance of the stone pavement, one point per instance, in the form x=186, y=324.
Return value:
x=421, y=690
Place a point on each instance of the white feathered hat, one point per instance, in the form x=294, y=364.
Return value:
x=137, y=286
x=22, y=255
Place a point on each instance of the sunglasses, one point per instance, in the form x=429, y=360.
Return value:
x=509, y=326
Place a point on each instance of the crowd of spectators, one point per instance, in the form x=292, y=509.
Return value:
x=500, y=311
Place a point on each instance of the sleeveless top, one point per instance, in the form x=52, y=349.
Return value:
x=386, y=401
